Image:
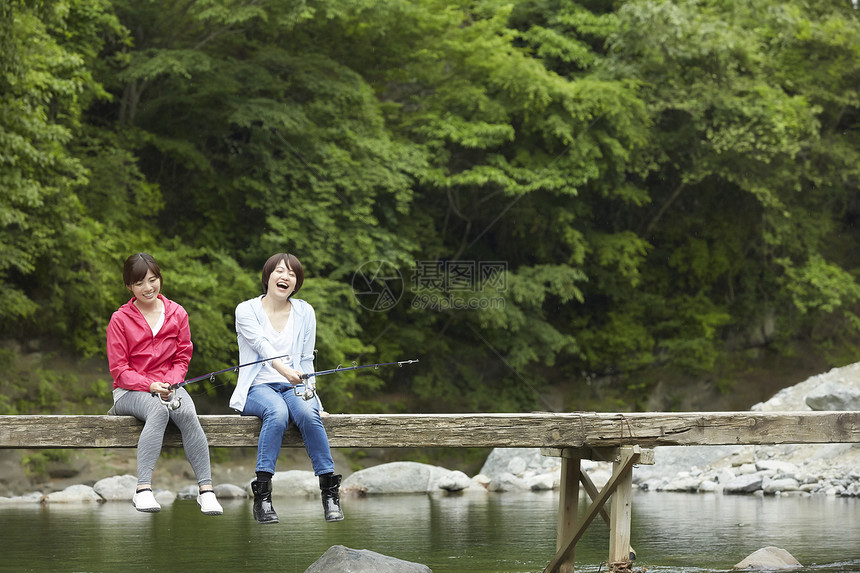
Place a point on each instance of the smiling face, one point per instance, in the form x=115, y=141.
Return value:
x=282, y=281
x=142, y=276
x=285, y=268
x=147, y=289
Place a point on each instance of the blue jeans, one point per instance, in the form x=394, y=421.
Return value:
x=277, y=405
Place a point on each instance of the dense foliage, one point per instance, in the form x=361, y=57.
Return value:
x=526, y=196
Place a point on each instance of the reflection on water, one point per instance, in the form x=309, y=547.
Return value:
x=718, y=531
x=493, y=533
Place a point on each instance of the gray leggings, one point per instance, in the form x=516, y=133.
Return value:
x=151, y=411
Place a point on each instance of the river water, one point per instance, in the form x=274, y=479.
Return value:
x=502, y=532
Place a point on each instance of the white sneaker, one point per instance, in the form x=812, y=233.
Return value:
x=209, y=504
x=145, y=501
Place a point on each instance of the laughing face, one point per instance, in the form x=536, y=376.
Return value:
x=146, y=290
x=282, y=281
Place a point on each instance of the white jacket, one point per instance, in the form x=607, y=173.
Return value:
x=254, y=345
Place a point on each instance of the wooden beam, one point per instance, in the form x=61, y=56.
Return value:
x=569, y=430
x=610, y=455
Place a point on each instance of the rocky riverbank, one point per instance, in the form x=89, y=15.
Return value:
x=809, y=469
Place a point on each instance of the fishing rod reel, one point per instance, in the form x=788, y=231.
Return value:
x=173, y=401
x=310, y=390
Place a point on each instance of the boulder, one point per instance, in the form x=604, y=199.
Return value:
x=165, y=496
x=782, y=468
x=454, y=481
x=116, y=488
x=519, y=462
x=229, y=491
x=670, y=460
x=769, y=558
x=746, y=483
x=340, y=559
x=543, y=482
x=746, y=469
x=74, y=494
x=683, y=484
x=294, y=482
x=508, y=482
x=394, y=477
x=35, y=497
x=725, y=476
x=187, y=492
x=840, y=393
x=709, y=486
x=480, y=481
x=772, y=486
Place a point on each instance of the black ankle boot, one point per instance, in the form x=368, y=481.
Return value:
x=330, y=489
x=263, y=510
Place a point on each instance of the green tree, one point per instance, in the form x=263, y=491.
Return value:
x=657, y=183
x=41, y=84
x=509, y=147
x=745, y=198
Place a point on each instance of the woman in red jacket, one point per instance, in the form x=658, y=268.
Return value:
x=148, y=349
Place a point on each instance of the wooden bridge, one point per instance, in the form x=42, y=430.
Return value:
x=625, y=439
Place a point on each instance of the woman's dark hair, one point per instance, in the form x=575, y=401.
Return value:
x=136, y=267
x=292, y=263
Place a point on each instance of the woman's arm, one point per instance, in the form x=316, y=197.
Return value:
x=250, y=330
x=309, y=341
x=182, y=353
x=118, y=360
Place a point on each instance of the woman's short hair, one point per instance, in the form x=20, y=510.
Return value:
x=136, y=267
x=292, y=263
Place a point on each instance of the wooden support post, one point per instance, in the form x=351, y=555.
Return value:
x=592, y=492
x=568, y=507
x=625, y=466
x=567, y=523
x=621, y=512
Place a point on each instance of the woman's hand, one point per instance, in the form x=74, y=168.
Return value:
x=292, y=375
x=160, y=388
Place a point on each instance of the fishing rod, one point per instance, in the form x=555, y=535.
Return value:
x=212, y=375
x=310, y=388
x=173, y=401
x=354, y=367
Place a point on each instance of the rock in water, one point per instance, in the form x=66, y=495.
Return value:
x=340, y=559
x=769, y=558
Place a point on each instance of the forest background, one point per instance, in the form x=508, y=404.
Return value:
x=554, y=205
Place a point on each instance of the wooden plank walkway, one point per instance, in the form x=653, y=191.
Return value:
x=537, y=430
x=625, y=439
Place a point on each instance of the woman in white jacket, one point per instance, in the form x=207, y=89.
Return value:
x=276, y=324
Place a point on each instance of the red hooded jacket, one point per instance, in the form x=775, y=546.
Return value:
x=136, y=358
